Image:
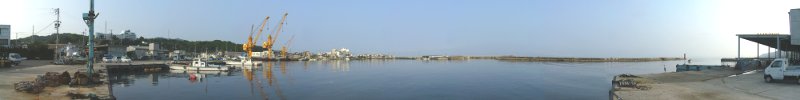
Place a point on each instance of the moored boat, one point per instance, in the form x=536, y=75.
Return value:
x=199, y=65
x=244, y=63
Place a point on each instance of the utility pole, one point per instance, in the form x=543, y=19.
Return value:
x=58, y=24
x=89, y=19
x=33, y=33
x=83, y=39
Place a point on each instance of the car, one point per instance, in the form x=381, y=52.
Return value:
x=108, y=59
x=125, y=59
x=117, y=59
x=15, y=58
x=782, y=69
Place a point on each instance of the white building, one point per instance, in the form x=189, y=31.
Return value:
x=5, y=35
x=339, y=53
x=151, y=50
x=127, y=34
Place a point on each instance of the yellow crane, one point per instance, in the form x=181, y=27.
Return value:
x=270, y=40
x=248, y=46
x=284, y=48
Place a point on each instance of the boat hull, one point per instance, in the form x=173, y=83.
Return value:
x=246, y=63
x=193, y=68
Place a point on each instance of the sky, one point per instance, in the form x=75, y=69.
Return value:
x=561, y=28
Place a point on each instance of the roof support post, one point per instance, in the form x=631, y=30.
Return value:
x=778, y=50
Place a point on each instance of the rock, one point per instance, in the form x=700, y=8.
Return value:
x=626, y=83
x=65, y=78
x=28, y=87
x=52, y=79
x=79, y=78
x=39, y=81
x=76, y=95
x=627, y=75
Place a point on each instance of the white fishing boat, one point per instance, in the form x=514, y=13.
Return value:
x=244, y=63
x=199, y=65
x=198, y=72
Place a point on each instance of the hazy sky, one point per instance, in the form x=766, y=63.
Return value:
x=583, y=28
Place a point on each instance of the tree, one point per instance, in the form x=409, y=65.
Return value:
x=132, y=55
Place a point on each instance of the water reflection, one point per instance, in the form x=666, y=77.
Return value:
x=262, y=82
x=337, y=65
x=154, y=79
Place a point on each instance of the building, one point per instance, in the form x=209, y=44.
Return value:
x=137, y=52
x=127, y=34
x=116, y=50
x=5, y=35
x=794, y=25
x=152, y=50
x=338, y=53
x=778, y=45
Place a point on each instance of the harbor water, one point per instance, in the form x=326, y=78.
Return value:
x=387, y=79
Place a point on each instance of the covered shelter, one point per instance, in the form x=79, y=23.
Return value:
x=780, y=42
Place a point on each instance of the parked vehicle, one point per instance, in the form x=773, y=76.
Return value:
x=782, y=69
x=125, y=59
x=16, y=58
x=108, y=59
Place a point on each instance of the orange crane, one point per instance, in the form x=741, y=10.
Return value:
x=248, y=46
x=270, y=40
x=284, y=48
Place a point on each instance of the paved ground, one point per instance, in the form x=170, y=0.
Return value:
x=712, y=85
x=754, y=84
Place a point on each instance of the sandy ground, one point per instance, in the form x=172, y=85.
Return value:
x=720, y=84
x=28, y=71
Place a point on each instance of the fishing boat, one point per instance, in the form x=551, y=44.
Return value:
x=244, y=62
x=199, y=65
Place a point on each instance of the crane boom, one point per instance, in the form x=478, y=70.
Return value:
x=263, y=23
x=248, y=46
x=270, y=40
x=290, y=41
x=285, y=47
x=280, y=25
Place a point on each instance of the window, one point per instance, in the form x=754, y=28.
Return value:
x=777, y=64
x=4, y=42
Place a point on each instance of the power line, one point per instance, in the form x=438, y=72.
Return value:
x=46, y=27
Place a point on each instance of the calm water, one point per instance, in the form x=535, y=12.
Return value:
x=392, y=79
